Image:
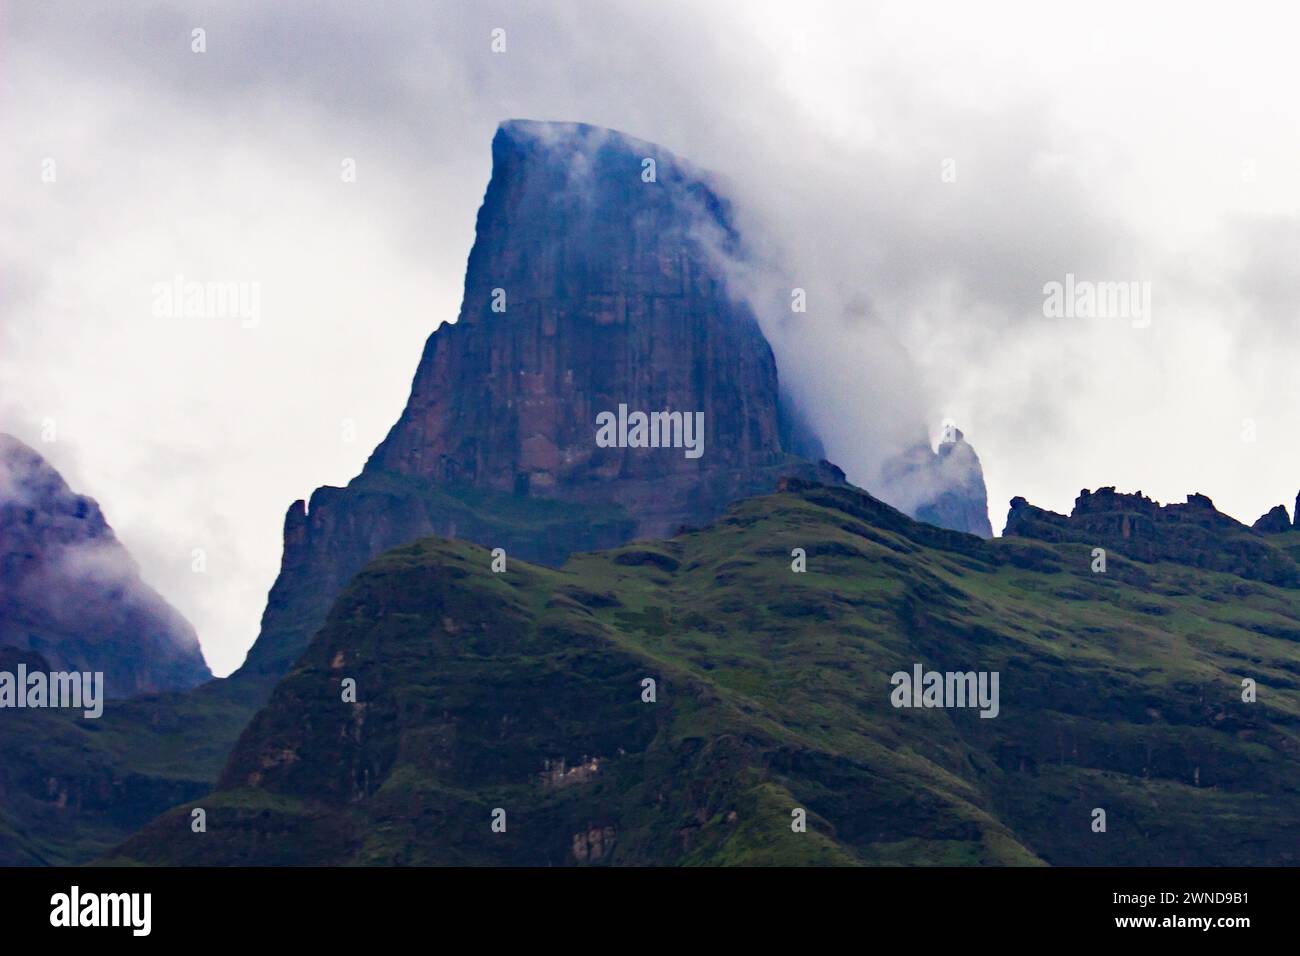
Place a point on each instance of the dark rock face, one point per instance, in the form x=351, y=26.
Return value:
x=944, y=487
x=70, y=593
x=587, y=288
x=1275, y=522
x=608, y=292
x=1195, y=533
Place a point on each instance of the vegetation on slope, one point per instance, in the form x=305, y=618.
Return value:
x=522, y=690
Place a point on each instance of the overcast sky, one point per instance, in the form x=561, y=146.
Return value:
x=1113, y=142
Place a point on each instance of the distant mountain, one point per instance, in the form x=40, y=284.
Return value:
x=70, y=592
x=525, y=691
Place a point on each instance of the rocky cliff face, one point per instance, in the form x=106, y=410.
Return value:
x=70, y=593
x=591, y=288
x=594, y=283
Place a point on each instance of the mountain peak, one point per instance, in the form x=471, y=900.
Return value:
x=943, y=487
x=560, y=138
x=595, y=291
x=596, y=286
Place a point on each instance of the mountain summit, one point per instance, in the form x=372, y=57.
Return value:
x=595, y=283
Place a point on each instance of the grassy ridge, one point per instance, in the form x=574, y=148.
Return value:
x=1119, y=690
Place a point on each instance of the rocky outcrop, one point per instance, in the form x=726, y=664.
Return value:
x=70, y=593
x=944, y=487
x=1195, y=533
x=1276, y=521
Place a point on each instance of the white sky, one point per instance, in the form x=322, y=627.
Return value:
x=1109, y=140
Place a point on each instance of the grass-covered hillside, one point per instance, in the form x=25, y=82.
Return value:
x=523, y=691
x=71, y=789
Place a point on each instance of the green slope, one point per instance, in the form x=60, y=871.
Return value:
x=1119, y=691
x=71, y=789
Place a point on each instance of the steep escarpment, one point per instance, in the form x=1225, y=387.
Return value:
x=588, y=288
x=592, y=286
